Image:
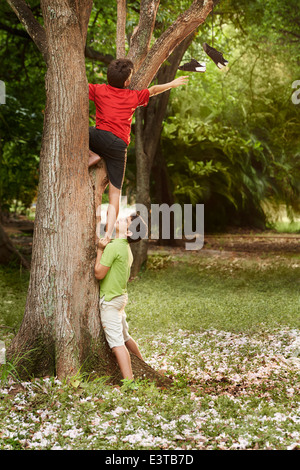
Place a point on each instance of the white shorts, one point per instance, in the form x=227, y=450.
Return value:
x=113, y=319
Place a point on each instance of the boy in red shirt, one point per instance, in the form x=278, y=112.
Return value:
x=115, y=106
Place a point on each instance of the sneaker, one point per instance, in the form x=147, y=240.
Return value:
x=215, y=55
x=193, y=66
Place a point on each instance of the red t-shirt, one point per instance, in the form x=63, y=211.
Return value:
x=115, y=108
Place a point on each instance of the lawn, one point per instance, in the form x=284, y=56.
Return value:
x=225, y=327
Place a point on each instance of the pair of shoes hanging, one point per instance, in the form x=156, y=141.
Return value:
x=195, y=66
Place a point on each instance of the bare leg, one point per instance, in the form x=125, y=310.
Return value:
x=113, y=209
x=93, y=158
x=133, y=347
x=124, y=361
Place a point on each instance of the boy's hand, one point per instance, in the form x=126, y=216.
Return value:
x=180, y=81
x=102, y=243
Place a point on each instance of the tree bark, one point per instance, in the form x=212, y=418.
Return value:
x=148, y=129
x=141, y=37
x=121, y=28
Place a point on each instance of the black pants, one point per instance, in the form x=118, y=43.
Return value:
x=113, y=150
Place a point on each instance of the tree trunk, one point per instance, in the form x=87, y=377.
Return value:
x=148, y=128
x=62, y=314
x=163, y=194
x=162, y=190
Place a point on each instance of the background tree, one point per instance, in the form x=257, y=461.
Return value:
x=61, y=330
x=232, y=142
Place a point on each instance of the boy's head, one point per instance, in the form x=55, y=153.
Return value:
x=119, y=73
x=133, y=228
x=137, y=229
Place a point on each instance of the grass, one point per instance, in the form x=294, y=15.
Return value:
x=235, y=294
x=13, y=291
x=226, y=329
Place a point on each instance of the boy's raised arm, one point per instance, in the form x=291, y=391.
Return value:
x=157, y=89
x=100, y=269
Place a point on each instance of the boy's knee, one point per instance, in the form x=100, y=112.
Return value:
x=117, y=349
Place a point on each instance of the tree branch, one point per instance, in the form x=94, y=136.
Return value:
x=31, y=25
x=141, y=37
x=91, y=53
x=83, y=14
x=284, y=31
x=121, y=28
x=185, y=24
x=16, y=32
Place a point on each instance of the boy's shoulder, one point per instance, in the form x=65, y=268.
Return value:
x=119, y=245
x=112, y=89
x=97, y=85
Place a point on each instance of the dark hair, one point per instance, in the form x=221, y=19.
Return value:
x=138, y=227
x=118, y=71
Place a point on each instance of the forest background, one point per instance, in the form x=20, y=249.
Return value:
x=229, y=140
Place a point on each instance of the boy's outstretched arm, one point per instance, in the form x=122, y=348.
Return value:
x=157, y=89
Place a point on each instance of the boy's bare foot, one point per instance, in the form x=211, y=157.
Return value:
x=93, y=158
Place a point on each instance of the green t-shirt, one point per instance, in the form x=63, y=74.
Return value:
x=118, y=256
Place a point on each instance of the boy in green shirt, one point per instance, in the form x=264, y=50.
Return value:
x=112, y=268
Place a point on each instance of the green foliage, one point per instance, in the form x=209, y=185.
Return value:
x=158, y=261
x=231, y=138
x=20, y=156
x=21, y=118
